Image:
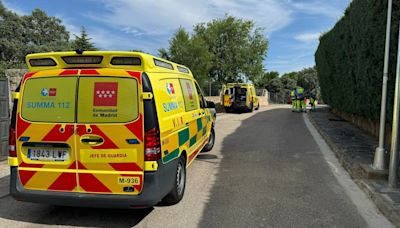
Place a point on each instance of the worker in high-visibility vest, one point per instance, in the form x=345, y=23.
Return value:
x=300, y=104
x=313, y=102
x=294, y=100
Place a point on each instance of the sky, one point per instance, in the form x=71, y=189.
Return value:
x=291, y=26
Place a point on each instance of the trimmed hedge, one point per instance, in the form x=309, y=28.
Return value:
x=350, y=58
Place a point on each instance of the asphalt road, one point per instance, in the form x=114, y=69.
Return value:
x=268, y=169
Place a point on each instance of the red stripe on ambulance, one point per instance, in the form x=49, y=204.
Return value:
x=65, y=182
x=125, y=166
x=89, y=72
x=25, y=175
x=27, y=75
x=137, y=127
x=69, y=72
x=91, y=184
x=136, y=75
x=22, y=125
x=55, y=134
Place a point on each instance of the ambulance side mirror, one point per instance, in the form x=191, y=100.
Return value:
x=210, y=104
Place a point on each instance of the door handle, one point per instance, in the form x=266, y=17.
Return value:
x=92, y=140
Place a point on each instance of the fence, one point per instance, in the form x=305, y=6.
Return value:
x=278, y=98
x=4, y=118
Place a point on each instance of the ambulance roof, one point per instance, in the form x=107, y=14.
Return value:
x=136, y=61
x=238, y=84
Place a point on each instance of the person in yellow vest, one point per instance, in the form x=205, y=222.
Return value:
x=300, y=104
x=293, y=99
x=313, y=102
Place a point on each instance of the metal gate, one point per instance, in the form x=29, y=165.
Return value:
x=4, y=118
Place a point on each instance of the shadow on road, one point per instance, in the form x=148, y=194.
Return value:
x=273, y=175
x=11, y=209
x=4, y=186
x=206, y=156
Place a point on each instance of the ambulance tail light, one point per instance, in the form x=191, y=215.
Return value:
x=152, y=146
x=12, y=143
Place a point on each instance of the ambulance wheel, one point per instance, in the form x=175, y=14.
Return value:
x=258, y=106
x=210, y=143
x=179, y=183
x=251, y=107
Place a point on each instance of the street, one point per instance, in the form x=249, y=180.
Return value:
x=269, y=168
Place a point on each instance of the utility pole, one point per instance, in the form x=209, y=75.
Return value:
x=394, y=153
x=379, y=159
x=209, y=80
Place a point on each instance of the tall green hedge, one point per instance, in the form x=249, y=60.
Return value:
x=350, y=57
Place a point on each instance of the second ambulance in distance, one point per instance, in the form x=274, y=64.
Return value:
x=239, y=97
x=106, y=129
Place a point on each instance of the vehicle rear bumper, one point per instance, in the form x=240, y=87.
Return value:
x=239, y=106
x=156, y=186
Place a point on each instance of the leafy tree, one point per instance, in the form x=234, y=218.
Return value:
x=189, y=51
x=280, y=87
x=275, y=85
x=44, y=33
x=292, y=75
x=83, y=41
x=262, y=80
x=308, y=79
x=350, y=58
x=12, y=32
x=222, y=50
x=21, y=35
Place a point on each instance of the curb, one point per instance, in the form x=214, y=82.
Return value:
x=387, y=207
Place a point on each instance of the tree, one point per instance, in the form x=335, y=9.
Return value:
x=292, y=75
x=12, y=32
x=188, y=51
x=83, y=41
x=275, y=85
x=21, y=35
x=308, y=79
x=44, y=33
x=222, y=50
x=262, y=80
x=280, y=87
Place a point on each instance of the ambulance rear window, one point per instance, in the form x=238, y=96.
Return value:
x=49, y=99
x=107, y=100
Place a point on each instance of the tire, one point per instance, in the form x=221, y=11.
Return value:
x=178, y=190
x=258, y=106
x=251, y=107
x=227, y=110
x=211, y=142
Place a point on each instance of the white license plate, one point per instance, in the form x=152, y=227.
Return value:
x=48, y=154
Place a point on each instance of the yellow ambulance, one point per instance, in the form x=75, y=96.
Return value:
x=106, y=129
x=239, y=97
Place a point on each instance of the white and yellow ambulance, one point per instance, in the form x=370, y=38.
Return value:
x=239, y=97
x=105, y=129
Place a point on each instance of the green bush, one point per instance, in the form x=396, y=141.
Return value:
x=350, y=58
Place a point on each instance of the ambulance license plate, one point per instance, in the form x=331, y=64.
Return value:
x=48, y=154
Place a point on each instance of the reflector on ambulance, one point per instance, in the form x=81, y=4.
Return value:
x=84, y=59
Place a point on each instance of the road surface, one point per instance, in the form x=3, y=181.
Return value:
x=269, y=168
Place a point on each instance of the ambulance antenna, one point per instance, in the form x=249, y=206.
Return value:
x=79, y=51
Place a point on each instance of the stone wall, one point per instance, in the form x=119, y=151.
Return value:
x=368, y=125
x=14, y=77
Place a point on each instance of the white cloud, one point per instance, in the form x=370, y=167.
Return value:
x=330, y=9
x=165, y=16
x=108, y=40
x=307, y=37
x=14, y=8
